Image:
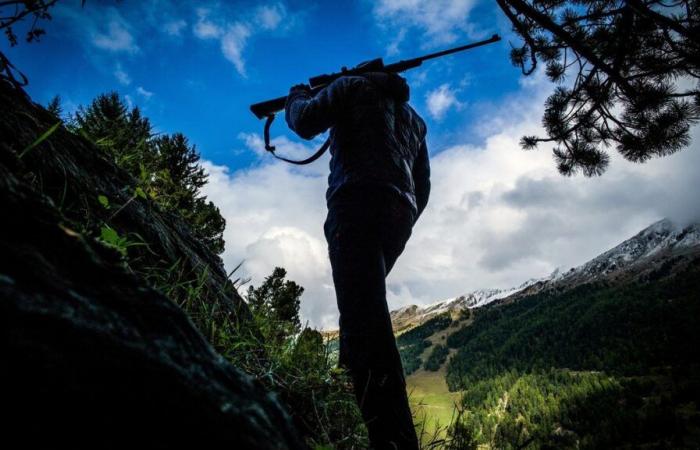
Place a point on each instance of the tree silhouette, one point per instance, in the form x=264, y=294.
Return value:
x=54, y=106
x=627, y=72
x=13, y=12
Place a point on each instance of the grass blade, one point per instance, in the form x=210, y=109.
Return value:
x=41, y=139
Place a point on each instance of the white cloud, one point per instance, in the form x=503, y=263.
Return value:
x=204, y=28
x=441, y=21
x=497, y=215
x=121, y=75
x=174, y=27
x=144, y=93
x=269, y=17
x=117, y=37
x=274, y=217
x=232, y=45
x=233, y=31
x=393, y=48
x=98, y=27
x=440, y=100
x=232, y=37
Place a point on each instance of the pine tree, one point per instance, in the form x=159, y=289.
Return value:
x=209, y=224
x=181, y=161
x=54, y=107
x=618, y=64
x=124, y=133
x=178, y=178
x=276, y=301
x=167, y=166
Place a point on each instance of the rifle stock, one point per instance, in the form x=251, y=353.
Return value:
x=269, y=107
x=264, y=109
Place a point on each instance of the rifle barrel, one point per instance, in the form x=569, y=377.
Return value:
x=264, y=109
x=494, y=38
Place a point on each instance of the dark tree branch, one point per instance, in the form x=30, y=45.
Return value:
x=627, y=58
x=528, y=39
x=644, y=10
x=565, y=37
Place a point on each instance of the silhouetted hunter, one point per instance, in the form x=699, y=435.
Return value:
x=378, y=186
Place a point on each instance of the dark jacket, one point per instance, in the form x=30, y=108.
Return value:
x=377, y=138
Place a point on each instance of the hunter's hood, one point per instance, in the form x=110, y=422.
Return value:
x=393, y=85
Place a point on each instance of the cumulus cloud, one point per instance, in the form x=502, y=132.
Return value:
x=440, y=100
x=497, y=215
x=440, y=21
x=274, y=217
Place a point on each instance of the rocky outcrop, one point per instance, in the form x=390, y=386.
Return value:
x=92, y=356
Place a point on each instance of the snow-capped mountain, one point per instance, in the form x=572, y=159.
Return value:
x=413, y=314
x=658, y=241
x=658, y=250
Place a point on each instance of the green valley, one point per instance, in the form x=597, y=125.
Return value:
x=611, y=363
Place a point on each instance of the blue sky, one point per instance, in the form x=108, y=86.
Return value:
x=497, y=215
x=169, y=59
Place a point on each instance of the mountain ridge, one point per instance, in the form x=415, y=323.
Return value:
x=657, y=250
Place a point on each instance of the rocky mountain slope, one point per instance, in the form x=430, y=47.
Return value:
x=656, y=251
x=93, y=356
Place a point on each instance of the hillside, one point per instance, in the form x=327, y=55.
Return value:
x=96, y=354
x=604, y=355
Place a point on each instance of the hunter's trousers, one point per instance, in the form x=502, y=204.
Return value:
x=366, y=232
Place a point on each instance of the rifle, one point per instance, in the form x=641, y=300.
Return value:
x=267, y=109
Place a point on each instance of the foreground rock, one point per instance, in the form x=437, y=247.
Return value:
x=91, y=356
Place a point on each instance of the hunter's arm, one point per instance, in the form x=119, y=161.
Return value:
x=311, y=115
x=421, y=177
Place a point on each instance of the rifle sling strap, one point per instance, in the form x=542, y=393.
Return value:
x=271, y=148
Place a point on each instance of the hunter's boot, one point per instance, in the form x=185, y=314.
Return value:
x=374, y=365
x=382, y=398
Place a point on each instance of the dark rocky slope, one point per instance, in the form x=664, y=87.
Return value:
x=91, y=355
x=73, y=173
